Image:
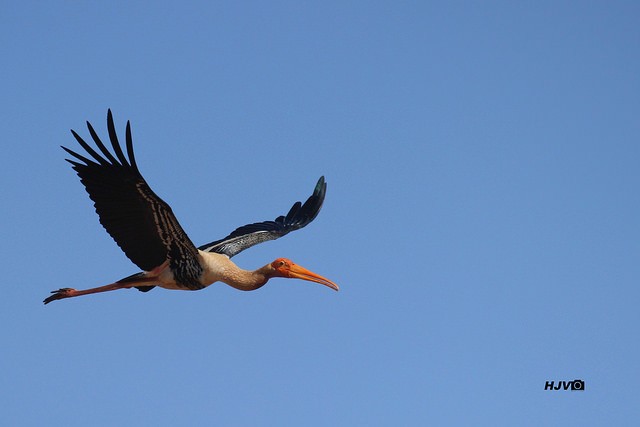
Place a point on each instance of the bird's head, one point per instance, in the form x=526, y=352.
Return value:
x=283, y=267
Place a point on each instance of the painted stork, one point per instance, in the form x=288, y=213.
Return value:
x=144, y=227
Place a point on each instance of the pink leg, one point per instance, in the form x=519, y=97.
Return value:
x=148, y=277
x=70, y=293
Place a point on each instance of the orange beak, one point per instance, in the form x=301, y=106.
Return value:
x=297, y=272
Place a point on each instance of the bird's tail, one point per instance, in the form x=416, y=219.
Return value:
x=135, y=278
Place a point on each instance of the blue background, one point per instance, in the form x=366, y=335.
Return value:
x=481, y=215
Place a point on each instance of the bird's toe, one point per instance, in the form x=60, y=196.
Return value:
x=59, y=294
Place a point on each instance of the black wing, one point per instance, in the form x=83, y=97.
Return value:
x=251, y=234
x=140, y=222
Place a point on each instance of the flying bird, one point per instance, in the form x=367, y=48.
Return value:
x=149, y=234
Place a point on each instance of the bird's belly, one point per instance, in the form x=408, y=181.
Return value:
x=175, y=286
x=214, y=269
x=166, y=280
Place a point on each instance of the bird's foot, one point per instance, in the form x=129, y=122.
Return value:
x=60, y=294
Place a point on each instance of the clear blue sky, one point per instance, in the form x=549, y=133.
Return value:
x=482, y=213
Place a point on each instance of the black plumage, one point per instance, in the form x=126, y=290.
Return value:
x=251, y=234
x=139, y=221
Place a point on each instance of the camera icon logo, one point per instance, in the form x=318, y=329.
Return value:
x=577, y=385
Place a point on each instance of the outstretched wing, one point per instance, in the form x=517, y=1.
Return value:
x=251, y=234
x=139, y=221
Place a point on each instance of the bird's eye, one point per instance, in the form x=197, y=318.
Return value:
x=280, y=263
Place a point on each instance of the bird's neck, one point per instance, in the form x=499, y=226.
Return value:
x=246, y=280
x=219, y=267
